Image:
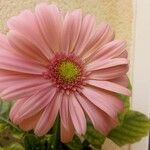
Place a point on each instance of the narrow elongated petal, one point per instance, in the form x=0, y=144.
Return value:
x=48, y=116
x=50, y=24
x=21, y=91
x=9, y=61
x=110, y=104
x=109, y=73
x=4, y=43
x=30, y=123
x=9, y=79
x=108, y=63
x=14, y=110
x=110, y=86
x=25, y=83
x=86, y=33
x=27, y=25
x=71, y=30
x=64, y=111
x=123, y=81
x=124, y=54
x=36, y=103
x=77, y=115
x=66, y=134
x=101, y=121
x=103, y=35
x=110, y=50
x=24, y=47
x=67, y=129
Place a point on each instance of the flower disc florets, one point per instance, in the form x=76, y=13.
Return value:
x=66, y=72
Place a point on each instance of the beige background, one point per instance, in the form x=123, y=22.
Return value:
x=118, y=13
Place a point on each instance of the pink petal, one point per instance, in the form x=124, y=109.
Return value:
x=50, y=24
x=85, y=35
x=9, y=61
x=71, y=30
x=14, y=110
x=26, y=24
x=4, y=44
x=24, y=47
x=103, y=35
x=108, y=63
x=49, y=115
x=23, y=90
x=67, y=129
x=30, y=123
x=110, y=86
x=109, y=73
x=102, y=122
x=77, y=115
x=123, y=81
x=36, y=103
x=110, y=104
x=124, y=54
x=9, y=78
x=64, y=111
x=66, y=134
x=110, y=50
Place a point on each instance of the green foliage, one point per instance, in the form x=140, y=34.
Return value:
x=135, y=125
x=132, y=127
x=94, y=137
x=56, y=132
x=4, y=109
x=31, y=142
x=14, y=146
x=75, y=144
x=4, y=117
x=126, y=101
x=50, y=141
x=9, y=133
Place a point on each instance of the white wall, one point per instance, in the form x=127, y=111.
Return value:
x=141, y=67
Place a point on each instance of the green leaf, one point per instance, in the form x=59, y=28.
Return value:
x=47, y=141
x=14, y=146
x=94, y=137
x=4, y=109
x=9, y=133
x=31, y=142
x=126, y=100
x=56, y=133
x=4, y=118
x=75, y=144
x=135, y=125
x=7, y=138
x=7, y=123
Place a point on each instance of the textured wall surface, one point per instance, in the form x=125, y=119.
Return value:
x=118, y=13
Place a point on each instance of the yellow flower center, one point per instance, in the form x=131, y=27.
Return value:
x=68, y=71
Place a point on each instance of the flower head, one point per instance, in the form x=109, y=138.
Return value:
x=52, y=63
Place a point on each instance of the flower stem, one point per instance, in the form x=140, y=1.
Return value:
x=56, y=141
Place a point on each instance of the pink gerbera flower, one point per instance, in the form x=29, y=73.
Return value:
x=52, y=63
